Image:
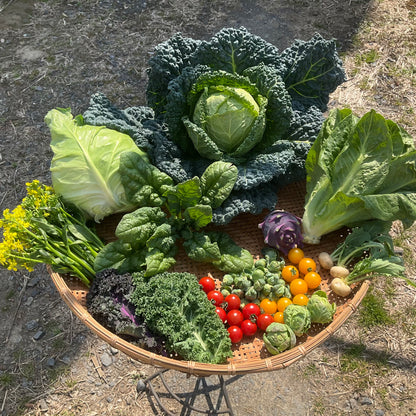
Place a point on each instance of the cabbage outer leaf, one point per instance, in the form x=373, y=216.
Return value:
x=85, y=165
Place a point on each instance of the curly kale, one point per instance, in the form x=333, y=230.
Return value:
x=174, y=306
x=107, y=302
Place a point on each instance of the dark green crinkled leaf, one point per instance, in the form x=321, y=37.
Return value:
x=218, y=181
x=139, y=225
x=158, y=261
x=120, y=256
x=234, y=50
x=168, y=61
x=312, y=70
x=198, y=216
x=234, y=259
x=199, y=247
x=144, y=184
x=183, y=195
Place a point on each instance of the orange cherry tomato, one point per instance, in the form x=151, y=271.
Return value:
x=278, y=317
x=268, y=306
x=300, y=299
x=283, y=303
x=307, y=265
x=312, y=279
x=290, y=273
x=295, y=255
x=298, y=286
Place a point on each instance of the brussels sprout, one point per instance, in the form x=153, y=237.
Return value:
x=251, y=293
x=278, y=338
x=259, y=284
x=225, y=292
x=238, y=292
x=257, y=274
x=260, y=264
x=298, y=318
x=228, y=280
x=321, y=310
x=275, y=266
x=266, y=289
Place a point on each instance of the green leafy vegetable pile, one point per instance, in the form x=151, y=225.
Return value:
x=147, y=237
x=174, y=306
x=234, y=98
x=358, y=169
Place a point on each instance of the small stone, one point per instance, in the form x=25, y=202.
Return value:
x=39, y=335
x=50, y=362
x=29, y=301
x=66, y=360
x=113, y=350
x=379, y=412
x=32, y=325
x=43, y=405
x=106, y=359
x=109, y=399
x=141, y=386
x=33, y=282
x=364, y=400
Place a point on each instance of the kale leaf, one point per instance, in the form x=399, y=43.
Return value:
x=174, y=306
x=108, y=303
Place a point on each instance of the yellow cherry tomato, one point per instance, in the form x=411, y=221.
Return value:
x=298, y=286
x=307, y=265
x=312, y=279
x=268, y=306
x=278, y=317
x=283, y=303
x=300, y=299
x=295, y=255
x=290, y=273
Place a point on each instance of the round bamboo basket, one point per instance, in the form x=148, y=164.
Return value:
x=250, y=355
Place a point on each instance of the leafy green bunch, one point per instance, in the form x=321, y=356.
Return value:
x=147, y=238
x=234, y=98
x=42, y=230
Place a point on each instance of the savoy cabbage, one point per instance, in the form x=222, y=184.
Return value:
x=270, y=132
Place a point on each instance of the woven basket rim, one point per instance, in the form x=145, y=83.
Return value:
x=291, y=199
x=274, y=362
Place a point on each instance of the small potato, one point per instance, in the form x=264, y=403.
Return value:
x=339, y=271
x=325, y=260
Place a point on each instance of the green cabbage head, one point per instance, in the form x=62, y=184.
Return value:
x=278, y=338
x=298, y=318
x=321, y=310
x=227, y=115
x=85, y=164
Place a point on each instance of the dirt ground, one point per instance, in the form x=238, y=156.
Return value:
x=56, y=54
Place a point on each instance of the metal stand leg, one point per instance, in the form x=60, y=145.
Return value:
x=188, y=403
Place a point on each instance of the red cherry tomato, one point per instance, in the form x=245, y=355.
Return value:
x=251, y=311
x=235, y=317
x=221, y=313
x=264, y=320
x=216, y=297
x=248, y=327
x=232, y=302
x=236, y=334
x=207, y=283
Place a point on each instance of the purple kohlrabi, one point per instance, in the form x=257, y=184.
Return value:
x=282, y=230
